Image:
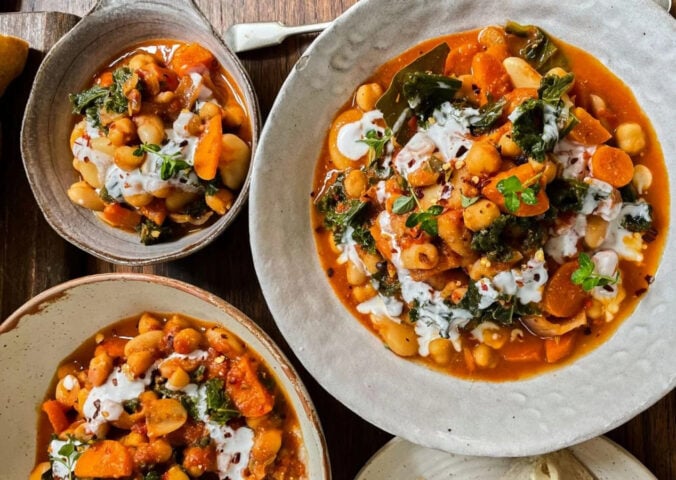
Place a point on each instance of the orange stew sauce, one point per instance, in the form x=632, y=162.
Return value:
x=164, y=431
x=517, y=357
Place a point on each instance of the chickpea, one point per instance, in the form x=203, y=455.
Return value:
x=133, y=439
x=175, y=324
x=179, y=378
x=595, y=233
x=221, y=201
x=367, y=96
x=162, y=450
x=125, y=159
x=483, y=158
x=224, y=342
x=187, y=340
x=424, y=256
x=121, y=131
x=149, y=128
x=67, y=391
x=484, y=356
x=364, y=292
x=598, y=105
x=147, y=322
x=508, y=147
x=138, y=200
x=197, y=460
x=140, y=59
x=371, y=261
x=630, y=138
x=441, y=351
x=355, y=275
x=164, y=97
x=99, y=368
x=266, y=444
x=642, y=179
x=175, y=473
x=355, y=183
x=208, y=110
x=480, y=215
x=82, y=194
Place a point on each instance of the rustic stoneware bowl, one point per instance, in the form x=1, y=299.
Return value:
x=110, y=28
x=35, y=338
x=592, y=395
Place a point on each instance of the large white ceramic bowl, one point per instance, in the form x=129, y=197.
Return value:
x=35, y=338
x=621, y=378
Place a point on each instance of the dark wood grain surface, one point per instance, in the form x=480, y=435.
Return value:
x=34, y=258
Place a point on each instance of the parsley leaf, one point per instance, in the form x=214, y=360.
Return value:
x=586, y=278
x=426, y=220
x=68, y=455
x=219, y=406
x=172, y=164
x=514, y=192
x=376, y=143
x=403, y=204
x=467, y=201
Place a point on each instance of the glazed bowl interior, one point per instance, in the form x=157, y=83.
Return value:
x=597, y=392
x=110, y=29
x=55, y=323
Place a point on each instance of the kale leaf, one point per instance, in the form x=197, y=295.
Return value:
x=219, y=406
x=151, y=233
x=539, y=50
x=508, y=234
x=426, y=91
x=90, y=102
x=363, y=237
x=387, y=285
x=638, y=223
x=504, y=310
x=487, y=116
x=567, y=195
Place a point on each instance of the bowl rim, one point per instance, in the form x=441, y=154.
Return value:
x=529, y=428
x=306, y=407
x=100, y=10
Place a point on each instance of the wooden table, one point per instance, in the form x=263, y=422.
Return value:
x=34, y=258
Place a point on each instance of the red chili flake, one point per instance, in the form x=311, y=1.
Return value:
x=330, y=271
x=640, y=292
x=649, y=279
x=419, y=192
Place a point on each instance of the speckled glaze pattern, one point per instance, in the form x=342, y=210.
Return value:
x=402, y=459
x=109, y=29
x=35, y=338
x=605, y=388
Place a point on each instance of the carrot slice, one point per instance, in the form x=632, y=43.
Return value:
x=191, y=58
x=156, y=211
x=113, y=347
x=105, y=79
x=526, y=351
x=562, y=298
x=120, y=217
x=246, y=390
x=490, y=76
x=524, y=173
x=558, y=348
x=56, y=415
x=612, y=165
x=459, y=59
x=469, y=359
x=208, y=150
x=105, y=459
x=589, y=130
x=516, y=97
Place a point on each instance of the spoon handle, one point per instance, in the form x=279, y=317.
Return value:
x=249, y=36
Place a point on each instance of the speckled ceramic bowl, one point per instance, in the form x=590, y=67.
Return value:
x=53, y=324
x=110, y=28
x=592, y=395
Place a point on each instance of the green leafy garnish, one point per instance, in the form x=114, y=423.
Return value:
x=467, y=201
x=539, y=49
x=190, y=406
x=197, y=376
x=552, y=87
x=363, y=237
x=426, y=220
x=131, y=406
x=219, y=407
x=68, y=455
x=515, y=192
x=487, y=116
x=341, y=211
x=387, y=285
x=376, y=143
x=90, y=102
x=504, y=310
x=567, y=195
x=586, y=278
x=403, y=204
x=152, y=475
x=151, y=233
x=172, y=164
x=414, y=311
x=426, y=91
x=638, y=223
x=507, y=234
x=394, y=104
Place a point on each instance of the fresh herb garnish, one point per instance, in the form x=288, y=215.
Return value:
x=90, y=102
x=151, y=233
x=219, y=407
x=638, y=223
x=487, y=116
x=197, y=376
x=68, y=455
x=467, y=201
x=172, y=163
x=414, y=311
x=387, y=285
x=426, y=220
x=190, y=406
x=567, y=195
x=341, y=211
x=403, y=204
x=376, y=143
x=514, y=192
x=504, y=310
x=131, y=406
x=362, y=235
x=585, y=276
x=506, y=235
x=152, y=475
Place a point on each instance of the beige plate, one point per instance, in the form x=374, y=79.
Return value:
x=52, y=325
x=110, y=28
x=402, y=460
x=607, y=387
